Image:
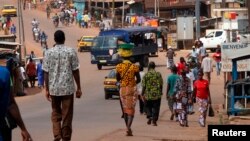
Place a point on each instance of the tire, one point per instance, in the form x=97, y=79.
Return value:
x=99, y=66
x=106, y=95
x=144, y=61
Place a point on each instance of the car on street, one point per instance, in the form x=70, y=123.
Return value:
x=85, y=43
x=110, y=87
x=9, y=10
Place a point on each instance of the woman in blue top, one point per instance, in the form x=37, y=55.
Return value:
x=40, y=76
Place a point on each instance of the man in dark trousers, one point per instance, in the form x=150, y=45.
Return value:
x=152, y=84
x=61, y=68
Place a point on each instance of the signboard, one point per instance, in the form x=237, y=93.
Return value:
x=230, y=51
x=172, y=40
x=185, y=28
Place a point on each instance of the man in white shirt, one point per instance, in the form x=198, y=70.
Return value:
x=61, y=69
x=203, y=51
x=207, y=67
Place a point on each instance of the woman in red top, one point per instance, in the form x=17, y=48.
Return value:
x=31, y=72
x=181, y=66
x=202, y=93
x=217, y=58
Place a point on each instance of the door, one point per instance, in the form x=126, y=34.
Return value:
x=208, y=40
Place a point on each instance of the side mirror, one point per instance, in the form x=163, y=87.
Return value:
x=105, y=77
x=78, y=40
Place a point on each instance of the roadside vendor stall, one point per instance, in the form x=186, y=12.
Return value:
x=238, y=90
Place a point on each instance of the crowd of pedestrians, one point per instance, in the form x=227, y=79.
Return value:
x=185, y=86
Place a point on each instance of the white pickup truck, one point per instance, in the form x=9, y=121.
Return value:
x=213, y=38
x=244, y=38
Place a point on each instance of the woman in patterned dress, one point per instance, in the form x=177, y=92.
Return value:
x=126, y=74
x=182, y=90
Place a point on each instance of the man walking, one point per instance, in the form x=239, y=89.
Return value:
x=152, y=84
x=171, y=81
x=207, y=67
x=61, y=67
x=170, y=57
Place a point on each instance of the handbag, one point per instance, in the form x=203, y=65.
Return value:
x=210, y=111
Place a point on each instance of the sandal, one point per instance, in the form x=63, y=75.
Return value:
x=129, y=133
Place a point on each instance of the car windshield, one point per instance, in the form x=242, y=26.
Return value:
x=103, y=42
x=8, y=7
x=112, y=74
x=87, y=39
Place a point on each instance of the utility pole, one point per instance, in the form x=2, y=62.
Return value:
x=103, y=6
x=248, y=5
x=123, y=4
x=197, y=15
x=113, y=13
x=89, y=6
x=155, y=8
x=19, y=29
x=158, y=6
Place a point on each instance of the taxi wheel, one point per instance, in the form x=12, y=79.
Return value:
x=144, y=61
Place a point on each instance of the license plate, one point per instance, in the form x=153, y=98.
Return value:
x=102, y=61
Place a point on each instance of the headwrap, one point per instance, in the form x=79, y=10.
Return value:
x=125, y=50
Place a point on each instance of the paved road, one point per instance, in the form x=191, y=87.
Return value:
x=94, y=117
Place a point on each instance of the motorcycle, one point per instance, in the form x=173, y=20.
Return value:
x=36, y=33
x=43, y=43
x=66, y=21
x=56, y=23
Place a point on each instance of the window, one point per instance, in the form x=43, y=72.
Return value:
x=105, y=42
x=210, y=35
x=218, y=33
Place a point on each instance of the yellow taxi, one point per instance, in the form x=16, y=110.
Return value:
x=110, y=87
x=85, y=43
x=9, y=10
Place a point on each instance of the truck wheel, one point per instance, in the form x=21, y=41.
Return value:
x=99, y=66
x=106, y=95
x=144, y=61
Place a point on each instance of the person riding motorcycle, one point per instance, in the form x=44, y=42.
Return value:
x=56, y=20
x=66, y=18
x=34, y=23
x=43, y=38
x=36, y=33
